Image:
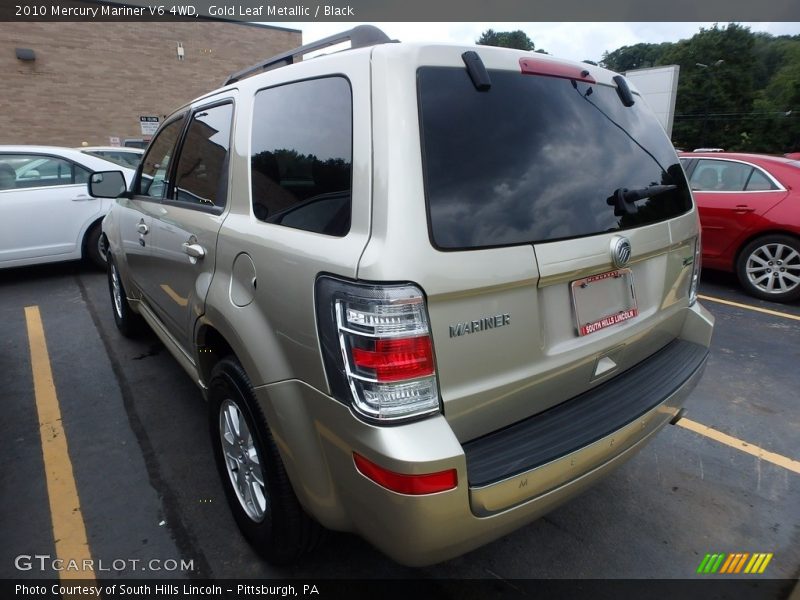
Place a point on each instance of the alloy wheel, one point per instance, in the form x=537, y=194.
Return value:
x=242, y=461
x=774, y=268
x=116, y=291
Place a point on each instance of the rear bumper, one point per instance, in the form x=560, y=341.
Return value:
x=553, y=446
x=499, y=490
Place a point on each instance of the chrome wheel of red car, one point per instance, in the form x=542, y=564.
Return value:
x=769, y=268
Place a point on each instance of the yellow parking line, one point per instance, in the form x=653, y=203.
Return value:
x=766, y=311
x=69, y=531
x=724, y=438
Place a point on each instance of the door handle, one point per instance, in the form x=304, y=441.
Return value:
x=82, y=198
x=142, y=228
x=743, y=209
x=194, y=250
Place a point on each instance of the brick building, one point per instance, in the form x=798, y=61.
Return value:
x=91, y=81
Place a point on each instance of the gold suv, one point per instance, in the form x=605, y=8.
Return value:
x=429, y=291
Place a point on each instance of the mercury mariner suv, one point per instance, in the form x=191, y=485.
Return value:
x=428, y=291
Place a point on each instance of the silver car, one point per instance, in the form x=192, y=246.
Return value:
x=429, y=291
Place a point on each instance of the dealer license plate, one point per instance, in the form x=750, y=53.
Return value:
x=603, y=300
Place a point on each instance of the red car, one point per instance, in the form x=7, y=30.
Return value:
x=749, y=207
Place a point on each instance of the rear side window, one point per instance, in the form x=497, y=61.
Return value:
x=759, y=182
x=302, y=152
x=714, y=175
x=535, y=159
x=201, y=178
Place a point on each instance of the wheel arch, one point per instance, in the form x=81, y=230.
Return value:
x=98, y=222
x=249, y=341
x=212, y=347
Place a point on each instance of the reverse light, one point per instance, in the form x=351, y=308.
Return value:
x=377, y=348
x=415, y=485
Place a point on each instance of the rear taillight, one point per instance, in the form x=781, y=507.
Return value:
x=696, y=269
x=377, y=348
x=395, y=360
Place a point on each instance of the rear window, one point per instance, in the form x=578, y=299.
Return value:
x=536, y=158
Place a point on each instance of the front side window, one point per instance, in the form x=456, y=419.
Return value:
x=537, y=159
x=30, y=171
x=201, y=178
x=154, y=181
x=301, y=160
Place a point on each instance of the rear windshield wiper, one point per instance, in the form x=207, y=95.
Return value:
x=623, y=200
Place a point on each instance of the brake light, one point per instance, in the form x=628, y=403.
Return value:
x=377, y=348
x=395, y=360
x=415, y=485
x=541, y=66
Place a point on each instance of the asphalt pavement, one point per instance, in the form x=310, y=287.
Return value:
x=150, y=498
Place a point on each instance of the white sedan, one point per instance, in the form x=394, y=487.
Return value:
x=125, y=157
x=47, y=212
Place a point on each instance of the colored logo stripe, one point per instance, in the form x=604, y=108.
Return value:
x=731, y=560
x=758, y=563
x=737, y=563
x=734, y=563
x=710, y=563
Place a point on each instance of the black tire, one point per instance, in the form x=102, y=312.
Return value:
x=266, y=511
x=95, y=246
x=129, y=323
x=769, y=268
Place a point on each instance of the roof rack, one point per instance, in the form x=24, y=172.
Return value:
x=359, y=37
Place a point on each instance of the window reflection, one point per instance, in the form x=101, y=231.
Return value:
x=535, y=159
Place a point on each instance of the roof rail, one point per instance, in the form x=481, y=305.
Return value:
x=359, y=37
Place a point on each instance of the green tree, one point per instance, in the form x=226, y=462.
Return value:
x=715, y=87
x=507, y=39
x=776, y=109
x=638, y=56
x=737, y=89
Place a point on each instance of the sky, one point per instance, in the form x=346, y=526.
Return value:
x=576, y=41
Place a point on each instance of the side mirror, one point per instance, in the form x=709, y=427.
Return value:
x=107, y=184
